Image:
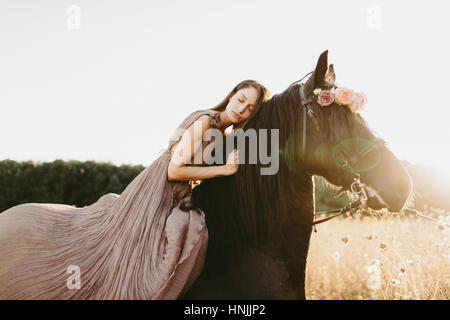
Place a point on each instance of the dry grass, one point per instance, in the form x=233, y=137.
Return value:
x=386, y=258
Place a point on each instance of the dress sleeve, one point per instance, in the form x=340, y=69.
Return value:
x=214, y=122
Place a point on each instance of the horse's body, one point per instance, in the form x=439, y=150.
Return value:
x=260, y=225
x=238, y=269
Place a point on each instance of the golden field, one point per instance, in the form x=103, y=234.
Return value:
x=383, y=256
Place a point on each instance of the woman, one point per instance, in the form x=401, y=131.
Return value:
x=147, y=243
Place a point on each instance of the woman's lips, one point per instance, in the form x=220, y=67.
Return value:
x=236, y=115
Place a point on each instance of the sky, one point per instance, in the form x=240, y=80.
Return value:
x=111, y=80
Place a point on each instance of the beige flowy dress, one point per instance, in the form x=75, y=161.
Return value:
x=142, y=244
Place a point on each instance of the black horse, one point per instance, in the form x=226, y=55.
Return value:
x=260, y=225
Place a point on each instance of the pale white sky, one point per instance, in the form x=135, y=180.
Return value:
x=116, y=88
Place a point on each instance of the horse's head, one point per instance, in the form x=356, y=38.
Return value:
x=338, y=145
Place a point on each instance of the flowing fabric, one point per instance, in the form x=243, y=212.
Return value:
x=137, y=245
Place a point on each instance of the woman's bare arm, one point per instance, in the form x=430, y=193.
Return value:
x=184, y=152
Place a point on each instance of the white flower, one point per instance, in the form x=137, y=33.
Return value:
x=336, y=256
x=374, y=280
x=377, y=262
x=373, y=283
x=371, y=269
x=317, y=91
x=395, y=282
x=368, y=236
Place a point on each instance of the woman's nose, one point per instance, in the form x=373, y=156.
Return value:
x=241, y=108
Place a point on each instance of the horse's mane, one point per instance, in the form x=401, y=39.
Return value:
x=250, y=208
x=254, y=205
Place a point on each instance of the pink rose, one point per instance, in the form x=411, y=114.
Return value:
x=325, y=98
x=359, y=102
x=344, y=96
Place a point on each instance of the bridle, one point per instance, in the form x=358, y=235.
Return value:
x=359, y=191
x=357, y=188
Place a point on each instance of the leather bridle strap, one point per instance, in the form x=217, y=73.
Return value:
x=354, y=159
x=305, y=101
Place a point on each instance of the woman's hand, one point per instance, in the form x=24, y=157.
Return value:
x=232, y=164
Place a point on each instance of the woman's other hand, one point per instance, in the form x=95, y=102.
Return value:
x=232, y=164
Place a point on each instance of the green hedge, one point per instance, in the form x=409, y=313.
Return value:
x=68, y=182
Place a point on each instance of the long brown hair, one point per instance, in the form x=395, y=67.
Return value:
x=263, y=95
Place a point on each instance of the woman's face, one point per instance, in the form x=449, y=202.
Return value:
x=241, y=104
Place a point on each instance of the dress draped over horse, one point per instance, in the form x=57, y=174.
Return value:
x=147, y=243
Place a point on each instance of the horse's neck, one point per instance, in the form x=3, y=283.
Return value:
x=301, y=199
x=293, y=246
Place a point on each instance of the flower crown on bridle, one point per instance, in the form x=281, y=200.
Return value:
x=355, y=101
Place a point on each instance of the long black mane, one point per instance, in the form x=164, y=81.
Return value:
x=251, y=205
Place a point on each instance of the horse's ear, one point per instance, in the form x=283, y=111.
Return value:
x=317, y=79
x=330, y=76
x=321, y=69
